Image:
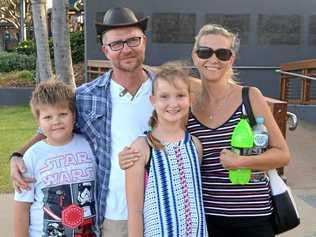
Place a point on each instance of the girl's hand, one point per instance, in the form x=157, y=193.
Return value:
x=127, y=157
x=229, y=159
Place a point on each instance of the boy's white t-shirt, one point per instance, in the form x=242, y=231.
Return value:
x=63, y=196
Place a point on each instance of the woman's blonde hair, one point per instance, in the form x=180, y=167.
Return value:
x=52, y=92
x=167, y=72
x=215, y=29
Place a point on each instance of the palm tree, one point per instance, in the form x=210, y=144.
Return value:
x=41, y=37
x=62, y=50
x=11, y=13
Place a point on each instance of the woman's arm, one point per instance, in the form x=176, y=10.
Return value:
x=276, y=156
x=21, y=219
x=134, y=178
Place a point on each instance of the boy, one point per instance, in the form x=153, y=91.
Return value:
x=62, y=200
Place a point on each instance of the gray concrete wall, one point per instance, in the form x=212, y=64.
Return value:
x=15, y=96
x=272, y=32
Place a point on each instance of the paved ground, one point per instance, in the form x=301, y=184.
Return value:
x=301, y=174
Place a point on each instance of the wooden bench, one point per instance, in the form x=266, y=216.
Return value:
x=298, y=90
x=279, y=111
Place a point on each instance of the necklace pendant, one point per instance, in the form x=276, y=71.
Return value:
x=210, y=117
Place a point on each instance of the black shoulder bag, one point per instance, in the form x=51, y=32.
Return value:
x=285, y=214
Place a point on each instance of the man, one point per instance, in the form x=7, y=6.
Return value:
x=112, y=111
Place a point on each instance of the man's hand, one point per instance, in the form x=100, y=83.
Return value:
x=127, y=157
x=17, y=169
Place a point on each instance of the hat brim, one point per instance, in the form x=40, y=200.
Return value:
x=101, y=28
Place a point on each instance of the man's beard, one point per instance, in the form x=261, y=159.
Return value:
x=130, y=67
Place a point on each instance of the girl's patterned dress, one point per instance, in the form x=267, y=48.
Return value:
x=173, y=203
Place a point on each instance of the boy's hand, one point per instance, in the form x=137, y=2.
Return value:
x=17, y=169
x=127, y=157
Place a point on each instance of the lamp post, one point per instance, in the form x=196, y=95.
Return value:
x=7, y=38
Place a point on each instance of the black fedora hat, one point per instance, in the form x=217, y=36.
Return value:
x=120, y=17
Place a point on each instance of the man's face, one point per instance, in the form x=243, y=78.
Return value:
x=131, y=55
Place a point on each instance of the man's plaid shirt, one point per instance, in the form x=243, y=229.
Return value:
x=94, y=113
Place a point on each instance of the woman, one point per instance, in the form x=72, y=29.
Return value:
x=231, y=210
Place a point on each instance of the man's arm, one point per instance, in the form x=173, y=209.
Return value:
x=195, y=88
x=36, y=138
x=17, y=166
x=21, y=219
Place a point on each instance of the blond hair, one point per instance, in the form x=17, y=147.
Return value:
x=215, y=29
x=52, y=92
x=167, y=72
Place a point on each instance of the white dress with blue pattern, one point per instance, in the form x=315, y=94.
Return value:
x=173, y=203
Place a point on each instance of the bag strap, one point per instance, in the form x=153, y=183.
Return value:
x=247, y=105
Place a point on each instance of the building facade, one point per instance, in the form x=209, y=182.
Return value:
x=272, y=32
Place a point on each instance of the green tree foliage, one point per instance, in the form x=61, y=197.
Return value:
x=28, y=47
x=77, y=46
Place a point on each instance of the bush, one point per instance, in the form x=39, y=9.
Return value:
x=77, y=46
x=26, y=47
x=16, y=62
x=17, y=79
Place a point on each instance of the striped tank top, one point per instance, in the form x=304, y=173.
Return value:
x=220, y=196
x=173, y=203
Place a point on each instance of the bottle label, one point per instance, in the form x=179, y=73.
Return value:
x=236, y=150
x=261, y=140
x=257, y=150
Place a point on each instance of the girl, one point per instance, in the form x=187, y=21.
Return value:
x=169, y=202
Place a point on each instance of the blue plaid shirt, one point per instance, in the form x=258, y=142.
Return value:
x=94, y=114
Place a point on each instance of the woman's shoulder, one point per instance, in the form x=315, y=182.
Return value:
x=255, y=95
x=254, y=92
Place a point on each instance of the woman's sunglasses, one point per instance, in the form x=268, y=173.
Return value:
x=221, y=54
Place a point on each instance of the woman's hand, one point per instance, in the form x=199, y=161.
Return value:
x=229, y=159
x=127, y=157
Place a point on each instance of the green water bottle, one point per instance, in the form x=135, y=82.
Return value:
x=241, y=142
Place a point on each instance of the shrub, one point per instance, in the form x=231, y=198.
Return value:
x=17, y=79
x=16, y=62
x=77, y=46
x=26, y=47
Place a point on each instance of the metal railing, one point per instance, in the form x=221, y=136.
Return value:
x=296, y=74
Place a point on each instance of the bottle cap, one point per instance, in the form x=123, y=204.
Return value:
x=260, y=120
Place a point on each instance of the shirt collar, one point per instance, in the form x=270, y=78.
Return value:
x=106, y=76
